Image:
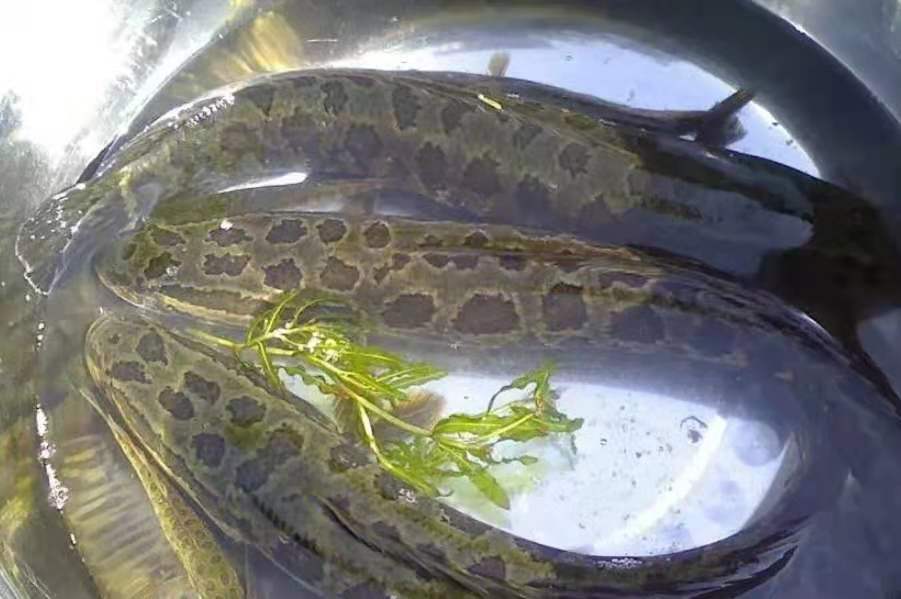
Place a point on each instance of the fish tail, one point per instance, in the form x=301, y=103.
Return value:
x=718, y=126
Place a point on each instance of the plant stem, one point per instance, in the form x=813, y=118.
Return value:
x=387, y=416
x=217, y=340
x=521, y=420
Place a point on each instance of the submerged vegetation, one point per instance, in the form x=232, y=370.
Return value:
x=318, y=338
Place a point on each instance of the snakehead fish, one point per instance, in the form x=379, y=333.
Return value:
x=277, y=474
x=818, y=246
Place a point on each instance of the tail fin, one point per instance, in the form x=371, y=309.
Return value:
x=718, y=126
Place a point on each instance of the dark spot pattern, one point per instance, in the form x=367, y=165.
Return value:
x=390, y=488
x=430, y=241
x=231, y=265
x=640, y=324
x=563, y=308
x=380, y=272
x=288, y=230
x=151, y=348
x=245, y=411
x=409, y=311
x=386, y=531
x=208, y=449
x=302, y=132
x=465, y=261
x=262, y=97
x=595, y=213
x=128, y=372
x=437, y=260
x=481, y=176
x=568, y=261
x=533, y=197
x=713, y=337
x=226, y=237
x=432, y=551
x=176, y=403
x=165, y=237
x=525, y=134
x=462, y=522
x=452, y=115
x=285, y=275
x=251, y=475
x=346, y=456
x=431, y=165
x=476, y=239
x=513, y=262
x=377, y=235
x=335, y=97
x=331, y=230
x=398, y=261
x=208, y=391
x=237, y=138
x=574, y=159
x=339, y=275
x=484, y=314
x=363, y=144
x=282, y=445
x=158, y=265
x=406, y=107
x=114, y=339
x=492, y=568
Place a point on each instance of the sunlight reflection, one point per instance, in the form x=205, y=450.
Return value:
x=59, y=82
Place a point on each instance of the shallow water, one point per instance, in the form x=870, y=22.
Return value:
x=722, y=468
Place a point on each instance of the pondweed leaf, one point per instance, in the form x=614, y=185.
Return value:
x=487, y=484
x=316, y=338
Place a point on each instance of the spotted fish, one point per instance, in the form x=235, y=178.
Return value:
x=527, y=164
x=278, y=475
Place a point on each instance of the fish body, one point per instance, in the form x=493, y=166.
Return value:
x=525, y=164
x=536, y=190
x=278, y=475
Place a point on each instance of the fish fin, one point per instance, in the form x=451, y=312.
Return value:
x=719, y=126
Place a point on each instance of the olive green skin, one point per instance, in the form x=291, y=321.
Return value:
x=528, y=164
x=520, y=165
x=278, y=475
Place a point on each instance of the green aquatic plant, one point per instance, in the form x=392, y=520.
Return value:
x=319, y=339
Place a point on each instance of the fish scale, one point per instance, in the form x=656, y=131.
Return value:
x=714, y=332
x=528, y=164
x=519, y=165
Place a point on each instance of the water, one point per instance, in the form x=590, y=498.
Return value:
x=721, y=471
x=645, y=475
